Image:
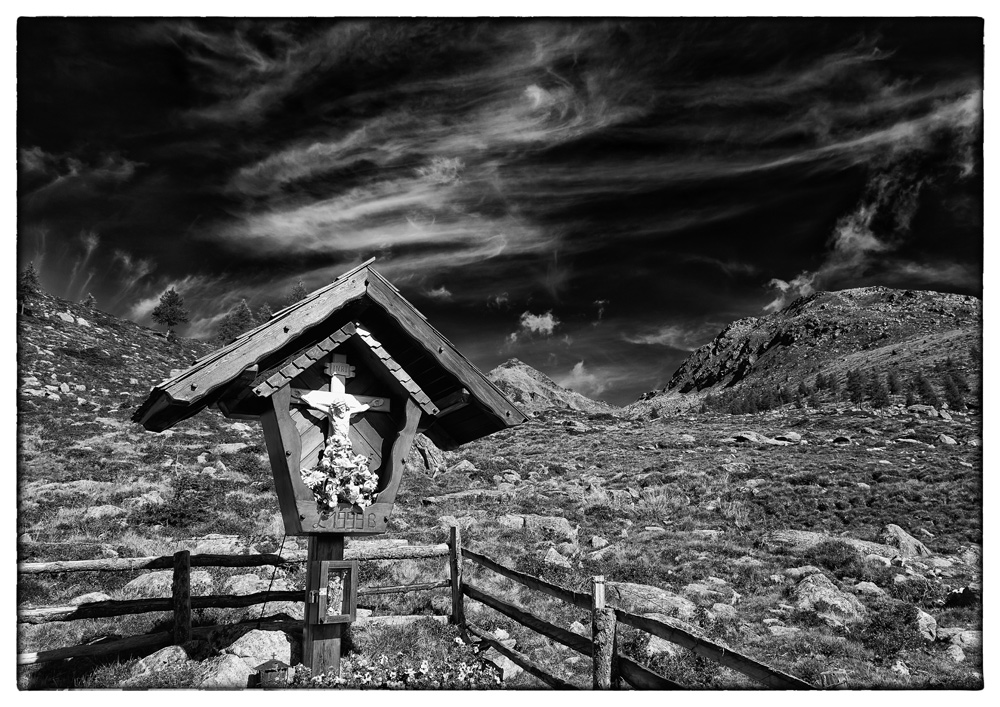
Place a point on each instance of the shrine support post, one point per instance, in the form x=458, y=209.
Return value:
x=321, y=642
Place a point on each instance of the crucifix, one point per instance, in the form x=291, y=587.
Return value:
x=335, y=402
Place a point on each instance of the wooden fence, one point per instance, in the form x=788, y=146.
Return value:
x=610, y=668
x=181, y=603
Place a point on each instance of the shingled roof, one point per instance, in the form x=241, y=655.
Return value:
x=460, y=404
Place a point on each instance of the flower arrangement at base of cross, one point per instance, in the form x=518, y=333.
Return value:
x=341, y=477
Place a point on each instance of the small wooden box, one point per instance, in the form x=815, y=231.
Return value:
x=337, y=596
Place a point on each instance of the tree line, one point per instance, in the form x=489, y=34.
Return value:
x=946, y=382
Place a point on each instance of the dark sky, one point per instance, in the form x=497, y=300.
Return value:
x=594, y=197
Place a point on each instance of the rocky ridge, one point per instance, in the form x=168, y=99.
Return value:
x=533, y=391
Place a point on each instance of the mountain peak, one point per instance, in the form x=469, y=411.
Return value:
x=533, y=391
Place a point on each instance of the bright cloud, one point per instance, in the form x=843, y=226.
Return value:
x=534, y=325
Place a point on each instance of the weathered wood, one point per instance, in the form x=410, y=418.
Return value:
x=442, y=351
x=142, y=644
x=455, y=569
x=130, y=564
x=567, y=595
x=642, y=678
x=189, y=390
x=556, y=633
x=602, y=623
x=112, y=607
x=401, y=448
x=181, y=597
x=724, y=656
x=403, y=588
x=520, y=659
x=284, y=451
x=452, y=402
x=321, y=642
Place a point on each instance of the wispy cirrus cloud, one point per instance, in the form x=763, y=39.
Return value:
x=684, y=337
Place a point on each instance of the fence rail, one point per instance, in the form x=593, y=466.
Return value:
x=181, y=602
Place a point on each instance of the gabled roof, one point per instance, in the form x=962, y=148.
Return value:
x=421, y=359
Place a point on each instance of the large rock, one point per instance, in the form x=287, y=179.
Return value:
x=103, y=512
x=552, y=557
x=926, y=625
x=164, y=660
x=800, y=541
x=219, y=544
x=659, y=646
x=645, y=599
x=89, y=598
x=244, y=584
x=425, y=456
x=710, y=591
x=158, y=584
x=757, y=438
x=256, y=647
x=226, y=672
x=553, y=527
x=906, y=544
x=472, y=495
x=819, y=595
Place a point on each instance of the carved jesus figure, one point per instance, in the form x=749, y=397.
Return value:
x=338, y=406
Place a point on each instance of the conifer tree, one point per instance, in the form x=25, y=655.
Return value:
x=238, y=320
x=27, y=284
x=925, y=390
x=952, y=393
x=91, y=301
x=895, y=386
x=298, y=293
x=878, y=393
x=855, y=386
x=263, y=314
x=833, y=385
x=910, y=399
x=170, y=311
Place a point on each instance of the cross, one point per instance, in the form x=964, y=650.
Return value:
x=336, y=402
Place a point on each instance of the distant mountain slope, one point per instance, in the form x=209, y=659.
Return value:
x=868, y=328
x=533, y=391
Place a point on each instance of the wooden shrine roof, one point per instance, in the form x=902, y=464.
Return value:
x=469, y=405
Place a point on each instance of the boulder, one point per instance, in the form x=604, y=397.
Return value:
x=89, y=598
x=243, y=584
x=757, y=438
x=797, y=573
x=926, y=626
x=256, y=647
x=799, y=541
x=511, y=521
x=425, y=456
x=723, y=612
x=789, y=437
x=507, y=668
x=817, y=594
x=869, y=589
x=956, y=653
x=105, y=511
x=709, y=592
x=906, y=544
x=645, y=598
x=474, y=495
x=219, y=544
x=225, y=672
x=783, y=631
x=597, y=542
x=158, y=584
x=163, y=660
x=946, y=440
x=554, y=527
x=462, y=467
x=552, y=557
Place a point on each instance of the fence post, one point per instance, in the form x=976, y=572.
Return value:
x=455, y=565
x=181, y=594
x=603, y=625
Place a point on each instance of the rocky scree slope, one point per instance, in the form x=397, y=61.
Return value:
x=867, y=328
x=533, y=391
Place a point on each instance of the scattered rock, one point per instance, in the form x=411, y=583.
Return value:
x=819, y=595
x=511, y=521
x=945, y=439
x=899, y=667
x=645, y=598
x=598, y=542
x=723, y=612
x=789, y=437
x=158, y=584
x=841, y=439
x=579, y=629
x=926, y=626
x=955, y=653
x=163, y=660
x=462, y=467
x=226, y=672
x=797, y=573
x=507, y=668
x=219, y=544
x=869, y=589
x=799, y=541
x=551, y=526
x=908, y=546
x=552, y=557
x=89, y=598
x=709, y=592
x=783, y=631
x=756, y=438
x=475, y=495
x=255, y=647
x=97, y=512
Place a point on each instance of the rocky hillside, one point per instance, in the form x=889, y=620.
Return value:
x=871, y=329
x=533, y=391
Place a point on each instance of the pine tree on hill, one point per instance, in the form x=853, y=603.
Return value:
x=895, y=386
x=170, y=311
x=879, y=393
x=90, y=302
x=855, y=386
x=925, y=390
x=952, y=393
x=238, y=320
x=298, y=293
x=910, y=399
x=833, y=385
x=820, y=381
x=27, y=284
x=263, y=314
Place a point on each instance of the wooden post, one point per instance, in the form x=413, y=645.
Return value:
x=181, y=593
x=455, y=565
x=603, y=626
x=321, y=642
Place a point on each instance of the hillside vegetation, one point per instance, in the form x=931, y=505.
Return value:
x=829, y=537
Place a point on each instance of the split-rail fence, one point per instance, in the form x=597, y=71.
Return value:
x=610, y=668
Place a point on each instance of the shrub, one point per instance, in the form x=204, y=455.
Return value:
x=890, y=628
x=838, y=557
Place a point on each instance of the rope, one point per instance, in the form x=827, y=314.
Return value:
x=270, y=584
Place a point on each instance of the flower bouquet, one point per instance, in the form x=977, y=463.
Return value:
x=341, y=476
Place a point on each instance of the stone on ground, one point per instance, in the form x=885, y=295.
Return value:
x=158, y=584
x=256, y=647
x=906, y=544
x=225, y=672
x=817, y=594
x=645, y=599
